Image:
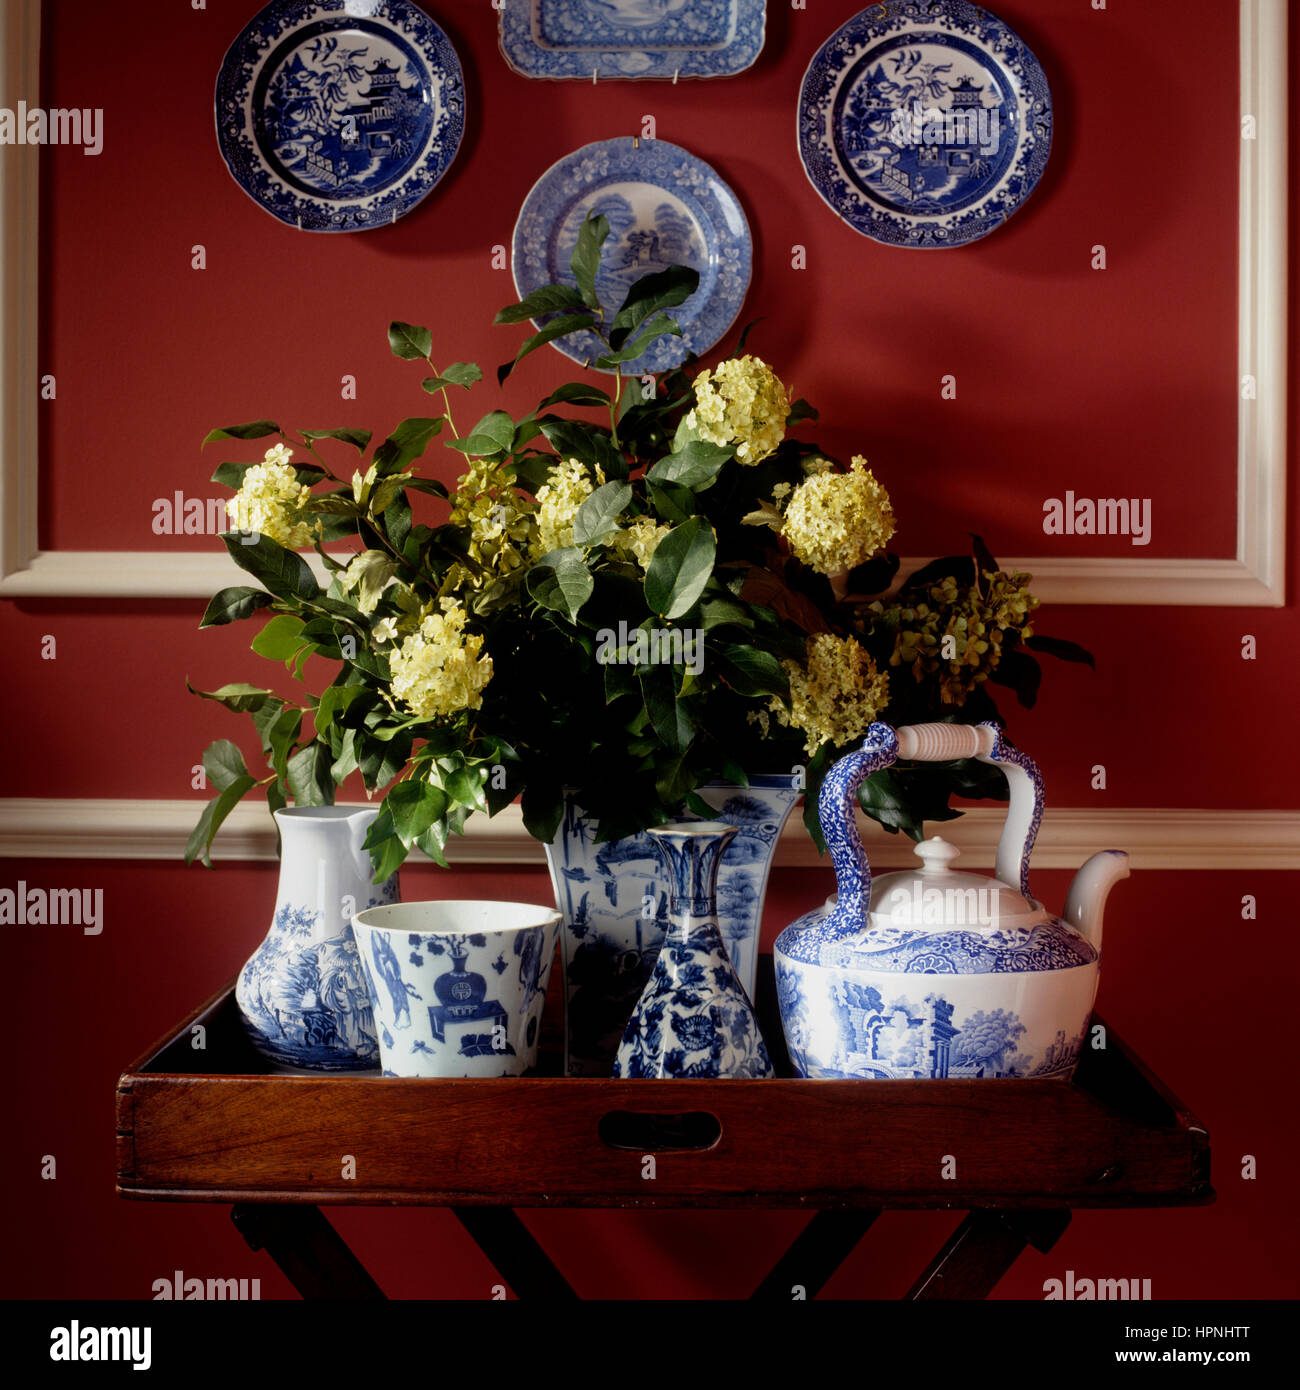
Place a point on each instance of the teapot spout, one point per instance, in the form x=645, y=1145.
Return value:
x=1091, y=887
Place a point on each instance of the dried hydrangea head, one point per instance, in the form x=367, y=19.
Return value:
x=837, y=521
x=835, y=695
x=956, y=632
x=567, y=487
x=438, y=670
x=272, y=502
x=741, y=403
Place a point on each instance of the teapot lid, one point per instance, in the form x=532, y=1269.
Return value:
x=937, y=895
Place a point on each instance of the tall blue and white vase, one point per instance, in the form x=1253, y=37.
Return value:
x=302, y=995
x=693, y=1018
x=613, y=898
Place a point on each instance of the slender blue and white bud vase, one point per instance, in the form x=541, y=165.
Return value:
x=694, y=1017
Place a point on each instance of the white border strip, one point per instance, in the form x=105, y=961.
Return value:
x=1255, y=577
x=38, y=828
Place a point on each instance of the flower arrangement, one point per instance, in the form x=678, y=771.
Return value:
x=626, y=608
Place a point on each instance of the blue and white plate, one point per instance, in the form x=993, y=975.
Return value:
x=664, y=207
x=597, y=39
x=924, y=123
x=339, y=115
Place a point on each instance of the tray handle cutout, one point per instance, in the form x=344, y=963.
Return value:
x=650, y=1132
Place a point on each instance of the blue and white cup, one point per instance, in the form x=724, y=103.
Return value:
x=457, y=987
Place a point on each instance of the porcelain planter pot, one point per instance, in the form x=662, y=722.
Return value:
x=457, y=987
x=301, y=994
x=938, y=973
x=614, y=901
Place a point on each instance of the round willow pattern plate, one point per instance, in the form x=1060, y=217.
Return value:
x=924, y=123
x=339, y=115
x=665, y=207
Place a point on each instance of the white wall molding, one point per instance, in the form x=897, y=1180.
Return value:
x=1255, y=576
x=50, y=828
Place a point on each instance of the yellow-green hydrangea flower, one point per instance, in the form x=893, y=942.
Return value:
x=271, y=502
x=640, y=539
x=567, y=487
x=834, y=695
x=837, y=521
x=439, y=670
x=502, y=528
x=742, y=403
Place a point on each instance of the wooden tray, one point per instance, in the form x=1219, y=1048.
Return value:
x=217, y=1124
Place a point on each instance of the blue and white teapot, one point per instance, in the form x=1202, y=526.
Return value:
x=937, y=973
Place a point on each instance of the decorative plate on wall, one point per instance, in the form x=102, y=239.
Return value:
x=339, y=115
x=924, y=123
x=596, y=39
x=665, y=207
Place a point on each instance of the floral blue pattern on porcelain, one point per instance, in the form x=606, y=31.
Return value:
x=614, y=900
x=339, y=115
x=604, y=39
x=665, y=207
x=693, y=1018
x=924, y=123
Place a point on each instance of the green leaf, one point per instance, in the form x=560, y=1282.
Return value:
x=255, y=429
x=493, y=434
x=280, y=736
x=406, y=443
x=216, y=811
x=680, y=568
x=752, y=671
x=696, y=465
x=717, y=612
x=387, y=849
x=557, y=328
x=333, y=701
x=1019, y=671
x=658, y=327
x=382, y=761
x=903, y=800
x=546, y=300
x=230, y=605
x=585, y=261
x=241, y=698
x=588, y=443
x=672, y=501
x=412, y=807
x=465, y=787
x=358, y=439
x=224, y=764
x=458, y=374
x=799, y=412
x=409, y=342
x=280, y=571
x=598, y=515
x=668, y=714
x=543, y=810
x=309, y=777
x=664, y=289
x=576, y=393
x=562, y=582
x=280, y=639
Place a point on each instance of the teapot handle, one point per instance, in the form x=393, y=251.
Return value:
x=947, y=742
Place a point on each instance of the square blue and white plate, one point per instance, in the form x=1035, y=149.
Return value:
x=600, y=39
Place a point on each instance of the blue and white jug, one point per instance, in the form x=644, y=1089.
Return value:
x=938, y=973
x=302, y=995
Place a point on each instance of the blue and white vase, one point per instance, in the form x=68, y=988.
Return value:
x=614, y=901
x=694, y=1018
x=302, y=995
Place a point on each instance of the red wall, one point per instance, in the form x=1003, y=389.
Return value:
x=1111, y=383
